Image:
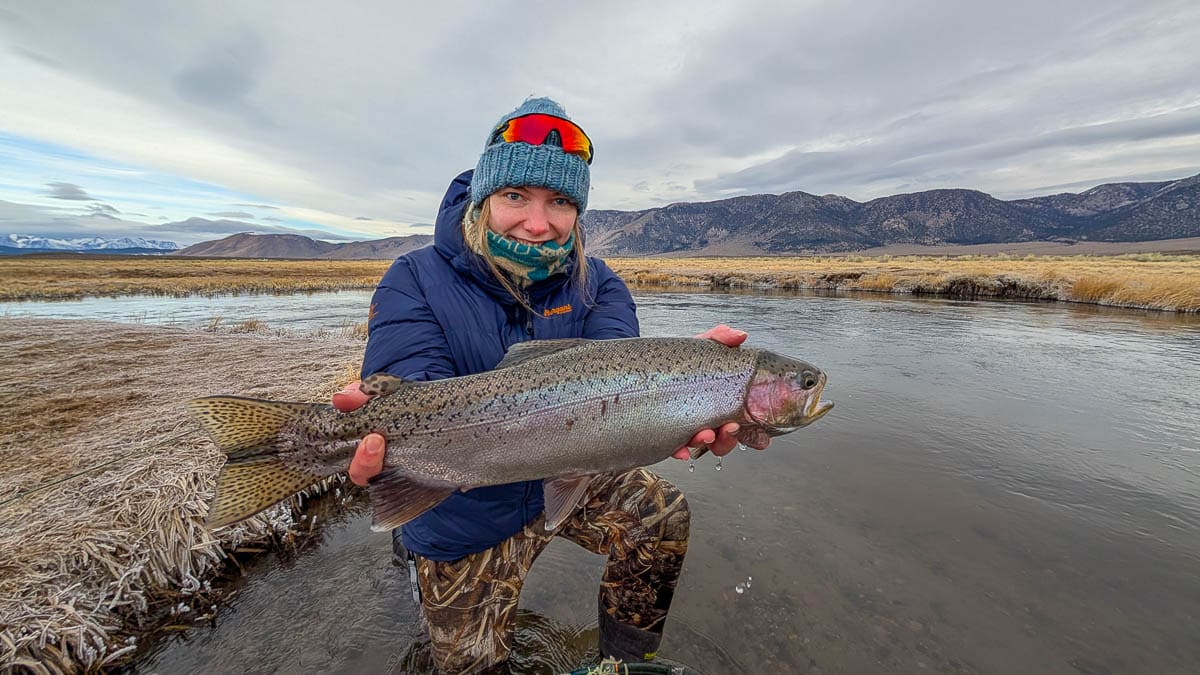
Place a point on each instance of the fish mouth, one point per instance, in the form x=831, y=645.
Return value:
x=813, y=409
x=816, y=408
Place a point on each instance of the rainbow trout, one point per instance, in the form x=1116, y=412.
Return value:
x=556, y=410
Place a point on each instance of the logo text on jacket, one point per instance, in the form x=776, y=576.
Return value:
x=564, y=309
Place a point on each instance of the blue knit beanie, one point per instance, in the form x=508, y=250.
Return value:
x=521, y=164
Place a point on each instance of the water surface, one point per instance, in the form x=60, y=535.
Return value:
x=1002, y=487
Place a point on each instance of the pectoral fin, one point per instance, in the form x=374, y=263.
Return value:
x=755, y=437
x=562, y=495
x=397, y=498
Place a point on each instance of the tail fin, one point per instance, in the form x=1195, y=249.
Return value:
x=248, y=431
x=244, y=428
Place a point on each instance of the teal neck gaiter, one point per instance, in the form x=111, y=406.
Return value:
x=525, y=263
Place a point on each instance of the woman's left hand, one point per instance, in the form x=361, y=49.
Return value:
x=720, y=441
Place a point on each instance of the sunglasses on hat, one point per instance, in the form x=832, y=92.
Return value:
x=541, y=129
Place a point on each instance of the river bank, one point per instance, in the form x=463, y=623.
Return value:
x=1159, y=281
x=1143, y=281
x=104, y=481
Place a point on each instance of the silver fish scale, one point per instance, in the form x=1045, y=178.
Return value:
x=603, y=406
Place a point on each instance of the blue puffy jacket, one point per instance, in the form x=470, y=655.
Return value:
x=438, y=312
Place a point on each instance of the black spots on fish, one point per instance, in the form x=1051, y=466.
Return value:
x=616, y=399
x=570, y=423
x=245, y=488
x=240, y=426
x=603, y=407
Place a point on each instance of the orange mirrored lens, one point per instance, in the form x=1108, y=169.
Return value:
x=536, y=129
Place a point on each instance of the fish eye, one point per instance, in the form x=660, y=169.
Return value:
x=810, y=379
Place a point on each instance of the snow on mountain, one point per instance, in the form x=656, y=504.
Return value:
x=85, y=243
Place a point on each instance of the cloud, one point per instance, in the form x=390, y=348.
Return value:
x=273, y=219
x=102, y=211
x=890, y=163
x=232, y=214
x=332, y=120
x=67, y=191
x=102, y=220
x=222, y=77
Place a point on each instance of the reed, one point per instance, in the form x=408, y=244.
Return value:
x=104, y=480
x=68, y=277
x=1144, y=280
x=1147, y=280
x=250, y=326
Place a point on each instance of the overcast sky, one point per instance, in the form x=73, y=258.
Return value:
x=348, y=120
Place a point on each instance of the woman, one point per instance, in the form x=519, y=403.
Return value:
x=508, y=265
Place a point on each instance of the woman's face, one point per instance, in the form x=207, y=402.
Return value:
x=532, y=215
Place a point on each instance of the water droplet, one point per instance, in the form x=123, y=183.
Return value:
x=740, y=588
x=692, y=465
x=718, y=464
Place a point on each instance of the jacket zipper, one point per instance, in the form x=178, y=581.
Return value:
x=528, y=314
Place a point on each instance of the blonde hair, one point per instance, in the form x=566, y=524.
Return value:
x=475, y=235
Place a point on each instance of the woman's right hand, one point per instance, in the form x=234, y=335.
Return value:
x=368, y=456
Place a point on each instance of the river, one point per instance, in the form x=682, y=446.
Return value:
x=1003, y=487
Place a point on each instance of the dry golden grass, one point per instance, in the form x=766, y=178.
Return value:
x=1145, y=280
x=63, y=277
x=87, y=552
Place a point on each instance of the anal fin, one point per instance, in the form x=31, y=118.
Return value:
x=562, y=495
x=397, y=498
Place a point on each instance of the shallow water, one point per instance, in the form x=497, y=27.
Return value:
x=1002, y=487
x=291, y=312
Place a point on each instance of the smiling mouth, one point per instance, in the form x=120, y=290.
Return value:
x=529, y=242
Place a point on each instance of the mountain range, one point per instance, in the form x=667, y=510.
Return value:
x=793, y=223
x=298, y=246
x=799, y=222
x=123, y=244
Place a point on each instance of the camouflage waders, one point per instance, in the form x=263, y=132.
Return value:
x=636, y=518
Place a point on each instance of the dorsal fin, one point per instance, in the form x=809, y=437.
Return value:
x=536, y=349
